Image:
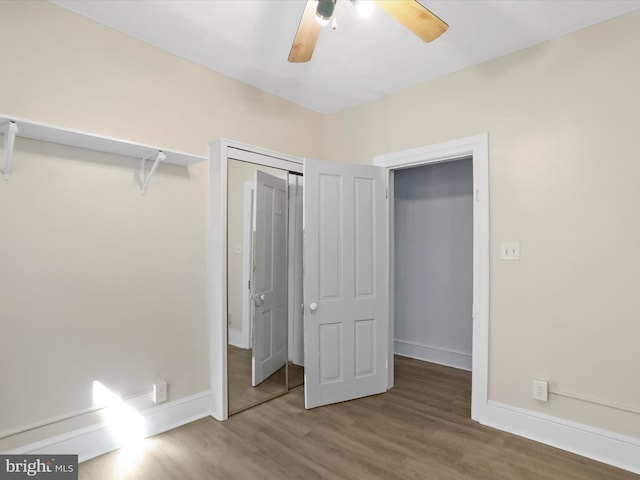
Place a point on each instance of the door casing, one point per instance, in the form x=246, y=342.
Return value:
x=477, y=148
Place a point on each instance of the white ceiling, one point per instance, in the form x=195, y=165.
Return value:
x=362, y=60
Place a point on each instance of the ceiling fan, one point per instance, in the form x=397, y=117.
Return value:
x=410, y=13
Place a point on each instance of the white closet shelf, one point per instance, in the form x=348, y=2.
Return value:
x=20, y=127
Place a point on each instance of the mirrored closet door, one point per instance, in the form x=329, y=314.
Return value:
x=264, y=278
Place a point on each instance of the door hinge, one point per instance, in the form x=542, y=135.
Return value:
x=386, y=193
x=477, y=195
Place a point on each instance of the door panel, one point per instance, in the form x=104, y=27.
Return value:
x=269, y=351
x=329, y=231
x=364, y=354
x=331, y=366
x=365, y=233
x=345, y=282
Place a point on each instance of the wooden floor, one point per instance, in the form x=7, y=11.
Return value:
x=242, y=394
x=420, y=429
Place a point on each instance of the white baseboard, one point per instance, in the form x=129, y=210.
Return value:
x=95, y=440
x=604, y=446
x=429, y=353
x=601, y=445
x=237, y=339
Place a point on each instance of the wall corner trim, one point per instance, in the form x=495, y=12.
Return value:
x=612, y=448
x=95, y=440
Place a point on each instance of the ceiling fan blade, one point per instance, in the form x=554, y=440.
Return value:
x=415, y=17
x=306, y=36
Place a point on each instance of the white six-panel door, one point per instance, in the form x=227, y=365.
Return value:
x=346, y=318
x=269, y=286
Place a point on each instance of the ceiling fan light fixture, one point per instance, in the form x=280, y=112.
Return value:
x=324, y=11
x=364, y=7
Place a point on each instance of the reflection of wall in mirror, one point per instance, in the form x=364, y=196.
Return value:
x=239, y=173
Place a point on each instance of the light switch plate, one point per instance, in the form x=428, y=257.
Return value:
x=510, y=250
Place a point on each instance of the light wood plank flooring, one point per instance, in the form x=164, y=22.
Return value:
x=242, y=394
x=420, y=429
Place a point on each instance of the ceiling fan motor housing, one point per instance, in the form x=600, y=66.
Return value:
x=325, y=9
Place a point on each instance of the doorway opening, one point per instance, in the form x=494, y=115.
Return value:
x=433, y=240
x=476, y=150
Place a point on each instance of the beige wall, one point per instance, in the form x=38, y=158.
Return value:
x=238, y=174
x=562, y=120
x=96, y=281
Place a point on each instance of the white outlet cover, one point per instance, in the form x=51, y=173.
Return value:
x=540, y=390
x=510, y=250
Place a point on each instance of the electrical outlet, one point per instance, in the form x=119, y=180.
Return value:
x=540, y=390
x=510, y=250
x=159, y=393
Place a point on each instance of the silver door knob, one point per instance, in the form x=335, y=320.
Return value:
x=313, y=307
x=258, y=299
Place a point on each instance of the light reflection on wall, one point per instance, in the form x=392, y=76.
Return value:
x=124, y=423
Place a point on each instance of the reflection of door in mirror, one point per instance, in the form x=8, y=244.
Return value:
x=269, y=285
x=260, y=227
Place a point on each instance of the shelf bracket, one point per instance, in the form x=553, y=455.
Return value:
x=9, y=141
x=146, y=177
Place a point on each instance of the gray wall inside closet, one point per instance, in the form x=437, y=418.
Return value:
x=433, y=212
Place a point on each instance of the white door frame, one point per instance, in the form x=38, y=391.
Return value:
x=476, y=147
